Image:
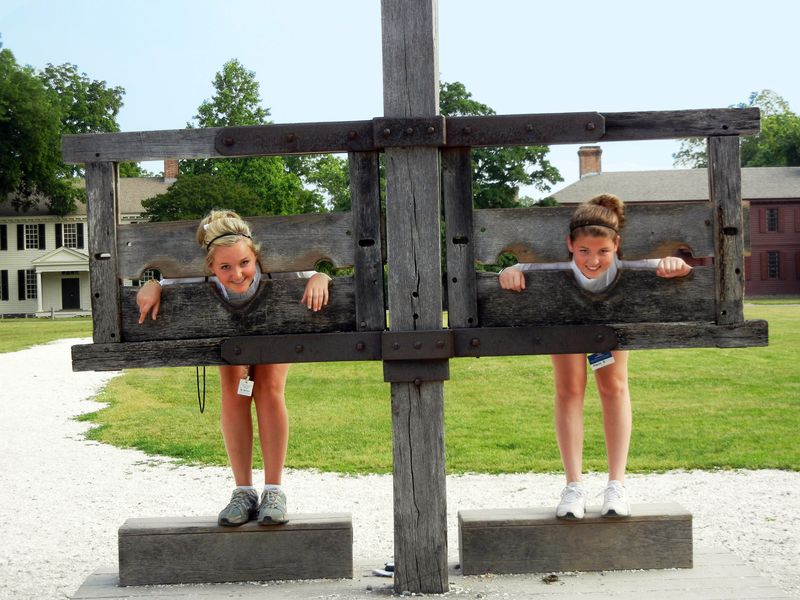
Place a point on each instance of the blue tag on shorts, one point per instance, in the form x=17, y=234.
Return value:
x=600, y=360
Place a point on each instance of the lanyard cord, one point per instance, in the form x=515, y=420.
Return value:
x=201, y=404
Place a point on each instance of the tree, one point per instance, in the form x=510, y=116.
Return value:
x=237, y=101
x=193, y=196
x=498, y=173
x=30, y=141
x=776, y=145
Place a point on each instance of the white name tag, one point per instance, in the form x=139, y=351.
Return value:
x=245, y=387
x=600, y=360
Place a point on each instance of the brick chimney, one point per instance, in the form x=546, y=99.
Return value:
x=170, y=170
x=589, y=160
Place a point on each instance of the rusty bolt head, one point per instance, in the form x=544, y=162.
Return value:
x=237, y=351
x=440, y=343
x=528, y=127
x=417, y=345
x=291, y=137
x=396, y=346
x=590, y=126
x=360, y=346
x=599, y=337
x=352, y=135
x=299, y=348
x=467, y=130
x=431, y=129
x=387, y=132
x=474, y=342
x=418, y=382
x=410, y=131
x=228, y=141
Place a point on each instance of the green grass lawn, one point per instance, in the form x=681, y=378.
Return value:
x=18, y=334
x=693, y=409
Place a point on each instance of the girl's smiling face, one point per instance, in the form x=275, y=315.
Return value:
x=234, y=266
x=593, y=255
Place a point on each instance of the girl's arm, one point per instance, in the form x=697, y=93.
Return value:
x=315, y=295
x=148, y=299
x=672, y=266
x=513, y=277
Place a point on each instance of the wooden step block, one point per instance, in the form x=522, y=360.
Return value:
x=655, y=536
x=197, y=550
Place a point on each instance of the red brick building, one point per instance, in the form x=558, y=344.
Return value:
x=773, y=267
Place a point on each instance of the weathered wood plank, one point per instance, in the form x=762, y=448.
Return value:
x=650, y=336
x=675, y=124
x=348, y=136
x=196, y=310
x=539, y=234
x=462, y=303
x=725, y=190
x=367, y=240
x=197, y=550
x=554, y=298
x=411, y=89
x=288, y=243
x=147, y=355
x=102, y=208
x=534, y=541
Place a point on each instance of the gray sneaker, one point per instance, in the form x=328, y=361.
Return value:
x=242, y=508
x=272, y=510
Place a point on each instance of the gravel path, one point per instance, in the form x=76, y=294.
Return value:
x=62, y=498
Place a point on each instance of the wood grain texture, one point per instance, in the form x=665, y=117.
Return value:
x=539, y=234
x=367, y=241
x=102, y=193
x=288, y=243
x=462, y=304
x=196, y=310
x=554, y=298
x=675, y=124
x=534, y=541
x=197, y=550
x=725, y=189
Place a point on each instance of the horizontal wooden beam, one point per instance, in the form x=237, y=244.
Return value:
x=336, y=347
x=369, y=135
x=539, y=234
x=288, y=243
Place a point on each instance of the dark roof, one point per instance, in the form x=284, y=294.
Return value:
x=758, y=183
x=132, y=190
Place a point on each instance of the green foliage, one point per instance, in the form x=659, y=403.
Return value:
x=273, y=188
x=717, y=412
x=776, y=145
x=30, y=141
x=498, y=173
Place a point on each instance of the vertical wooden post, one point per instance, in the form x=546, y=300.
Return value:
x=102, y=192
x=462, y=296
x=411, y=89
x=366, y=209
x=725, y=191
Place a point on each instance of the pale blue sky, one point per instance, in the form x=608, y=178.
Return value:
x=319, y=60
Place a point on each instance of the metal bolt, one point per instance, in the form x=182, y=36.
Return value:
x=590, y=126
x=418, y=382
x=360, y=346
x=299, y=348
x=237, y=351
x=396, y=346
x=387, y=132
x=228, y=141
x=431, y=129
x=440, y=343
x=474, y=342
x=529, y=127
x=467, y=130
x=363, y=324
x=410, y=131
x=417, y=345
x=352, y=135
x=599, y=337
x=291, y=137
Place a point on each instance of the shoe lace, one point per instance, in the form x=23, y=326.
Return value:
x=270, y=499
x=613, y=493
x=571, y=494
x=240, y=499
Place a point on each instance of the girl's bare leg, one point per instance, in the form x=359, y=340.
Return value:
x=612, y=386
x=569, y=372
x=273, y=418
x=237, y=424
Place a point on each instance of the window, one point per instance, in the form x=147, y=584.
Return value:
x=31, y=236
x=772, y=219
x=69, y=235
x=773, y=264
x=30, y=283
x=147, y=276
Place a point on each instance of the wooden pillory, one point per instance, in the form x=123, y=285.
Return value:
x=427, y=159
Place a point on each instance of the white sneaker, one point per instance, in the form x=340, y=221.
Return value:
x=615, y=500
x=573, y=501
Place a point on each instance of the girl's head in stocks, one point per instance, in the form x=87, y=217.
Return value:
x=231, y=254
x=594, y=236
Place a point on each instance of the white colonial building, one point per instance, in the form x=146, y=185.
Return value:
x=44, y=261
